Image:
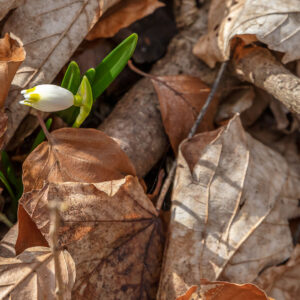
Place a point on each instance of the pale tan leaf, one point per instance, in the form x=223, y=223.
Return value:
x=112, y=231
x=7, y=5
x=12, y=55
x=31, y=275
x=275, y=23
x=121, y=16
x=50, y=32
x=7, y=244
x=282, y=282
x=231, y=203
x=75, y=155
x=221, y=290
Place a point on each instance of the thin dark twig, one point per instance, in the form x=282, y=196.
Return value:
x=140, y=72
x=193, y=130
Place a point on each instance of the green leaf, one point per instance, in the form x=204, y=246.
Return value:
x=90, y=74
x=41, y=135
x=10, y=172
x=8, y=187
x=85, y=96
x=113, y=64
x=71, y=80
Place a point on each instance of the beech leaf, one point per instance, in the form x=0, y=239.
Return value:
x=12, y=55
x=75, y=155
x=121, y=16
x=181, y=98
x=31, y=275
x=221, y=290
x=275, y=23
x=112, y=231
x=282, y=282
x=231, y=202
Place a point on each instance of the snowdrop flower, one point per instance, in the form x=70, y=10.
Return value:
x=48, y=98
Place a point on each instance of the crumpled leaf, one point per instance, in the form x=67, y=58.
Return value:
x=237, y=102
x=30, y=275
x=7, y=5
x=76, y=155
x=112, y=231
x=275, y=23
x=231, y=202
x=181, y=98
x=7, y=244
x=221, y=290
x=12, y=55
x=50, y=34
x=282, y=282
x=121, y=16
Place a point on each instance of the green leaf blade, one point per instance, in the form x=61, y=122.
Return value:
x=113, y=64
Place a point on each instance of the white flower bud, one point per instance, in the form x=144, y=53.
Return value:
x=48, y=98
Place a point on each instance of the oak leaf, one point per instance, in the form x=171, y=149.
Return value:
x=231, y=202
x=274, y=23
x=112, y=231
x=121, y=16
x=181, y=98
x=31, y=275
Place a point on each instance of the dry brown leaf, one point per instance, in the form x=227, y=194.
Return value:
x=237, y=102
x=282, y=282
x=75, y=155
x=221, y=290
x=50, y=33
x=30, y=275
x=7, y=244
x=7, y=5
x=231, y=202
x=3, y=127
x=112, y=231
x=275, y=23
x=121, y=16
x=12, y=55
x=181, y=98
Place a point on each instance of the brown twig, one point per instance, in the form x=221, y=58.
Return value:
x=262, y=69
x=54, y=225
x=193, y=130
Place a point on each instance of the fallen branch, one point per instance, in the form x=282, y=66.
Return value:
x=262, y=69
x=135, y=123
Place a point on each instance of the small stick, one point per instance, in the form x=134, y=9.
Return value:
x=193, y=130
x=54, y=224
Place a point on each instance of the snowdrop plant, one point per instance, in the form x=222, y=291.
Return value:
x=74, y=98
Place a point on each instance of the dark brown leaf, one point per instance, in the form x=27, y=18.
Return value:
x=112, y=231
x=181, y=98
x=75, y=155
